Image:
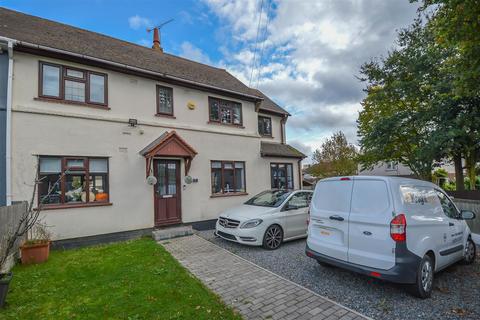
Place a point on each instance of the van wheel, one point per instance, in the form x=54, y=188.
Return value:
x=423, y=287
x=470, y=252
x=273, y=237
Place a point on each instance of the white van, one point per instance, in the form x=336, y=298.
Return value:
x=396, y=229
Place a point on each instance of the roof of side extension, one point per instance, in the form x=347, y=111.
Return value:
x=272, y=149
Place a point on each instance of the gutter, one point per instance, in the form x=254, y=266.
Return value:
x=125, y=66
x=8, y=142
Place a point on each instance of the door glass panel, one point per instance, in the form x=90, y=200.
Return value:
x=161, y=186
x=299, y=200
x=447, y=206
x=369, y=197
x=172, y=178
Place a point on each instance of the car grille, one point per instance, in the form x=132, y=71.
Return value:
x=226, y=235
x=228, y=223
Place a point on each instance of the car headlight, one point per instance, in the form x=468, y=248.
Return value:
x=251, y=223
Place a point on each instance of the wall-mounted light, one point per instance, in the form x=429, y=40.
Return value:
x=132, y=122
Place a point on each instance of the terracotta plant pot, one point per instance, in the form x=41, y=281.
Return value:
x=4, y=283
x=35, y=253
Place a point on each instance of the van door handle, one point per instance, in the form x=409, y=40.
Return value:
x=451, y=224
x=367, y=233
x=338, y=218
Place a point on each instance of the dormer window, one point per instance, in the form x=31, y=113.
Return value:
x=72, y=85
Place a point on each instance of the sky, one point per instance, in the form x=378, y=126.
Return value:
x=304, y=54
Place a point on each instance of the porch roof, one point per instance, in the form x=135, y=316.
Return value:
x=168, y=144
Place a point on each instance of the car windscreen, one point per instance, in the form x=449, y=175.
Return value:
x=270, y=198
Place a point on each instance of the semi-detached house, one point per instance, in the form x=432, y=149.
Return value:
x=125, y=137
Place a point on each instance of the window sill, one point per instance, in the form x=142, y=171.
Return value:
x=266, y=136
x=165, y=115
x=76, y=205
x=82, y=104
x=233, y=194
x=226, y=124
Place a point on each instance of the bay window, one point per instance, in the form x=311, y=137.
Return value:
x=73, y=181
x=228, y=177
x=72, y=85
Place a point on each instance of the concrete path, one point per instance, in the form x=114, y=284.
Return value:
x=253, y=291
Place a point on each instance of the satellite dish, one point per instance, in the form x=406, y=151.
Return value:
x=151, y=180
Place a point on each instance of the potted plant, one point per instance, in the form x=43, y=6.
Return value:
x=37, y=247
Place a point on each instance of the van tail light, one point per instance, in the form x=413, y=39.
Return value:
x=398, y=228
x=345, y=179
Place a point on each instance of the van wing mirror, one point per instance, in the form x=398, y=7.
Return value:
x=467, y=215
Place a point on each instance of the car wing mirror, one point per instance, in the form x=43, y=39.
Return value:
x=467, y=215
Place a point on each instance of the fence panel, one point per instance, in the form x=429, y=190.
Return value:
x=9, y=218
x=472, y=205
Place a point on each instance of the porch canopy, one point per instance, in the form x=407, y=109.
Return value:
x=169, y=144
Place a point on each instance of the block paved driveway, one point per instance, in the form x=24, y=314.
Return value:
x=253, y=291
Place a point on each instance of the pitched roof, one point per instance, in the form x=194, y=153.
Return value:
x=268, y=104
x=39, y=31
x=271, y=149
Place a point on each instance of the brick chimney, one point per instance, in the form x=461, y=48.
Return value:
x=156, y=40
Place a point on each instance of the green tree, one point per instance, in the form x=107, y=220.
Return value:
x=396, y=122
x=336, y=157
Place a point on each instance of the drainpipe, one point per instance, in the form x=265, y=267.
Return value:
x=8, y=143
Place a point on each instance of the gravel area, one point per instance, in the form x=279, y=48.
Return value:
x=456, y=294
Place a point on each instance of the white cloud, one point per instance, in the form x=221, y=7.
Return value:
x=136, y=22
x=189, y=51
x=313, y=51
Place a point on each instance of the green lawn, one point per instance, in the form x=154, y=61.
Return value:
x=129, y=280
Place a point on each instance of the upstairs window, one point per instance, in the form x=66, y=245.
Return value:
x=72, y=181
x=265, y=126
x=72, y=84
x=164, y=101
x=225, y=111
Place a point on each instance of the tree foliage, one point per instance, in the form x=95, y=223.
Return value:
x=421, y=106
x=336, y=157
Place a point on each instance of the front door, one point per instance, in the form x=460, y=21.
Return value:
x=167, y=192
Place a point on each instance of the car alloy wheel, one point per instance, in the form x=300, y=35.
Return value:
x=427, y=276
x=422, y=288
x=470, y=252
x=273, y=237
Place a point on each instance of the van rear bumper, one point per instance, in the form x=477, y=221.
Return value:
x=404, y=271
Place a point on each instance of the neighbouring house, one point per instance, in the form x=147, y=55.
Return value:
x=389, y=168
x=393, y=168
x=140, y=138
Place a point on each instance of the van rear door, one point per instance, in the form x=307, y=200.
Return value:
x=369, y=224
x=329, y=211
